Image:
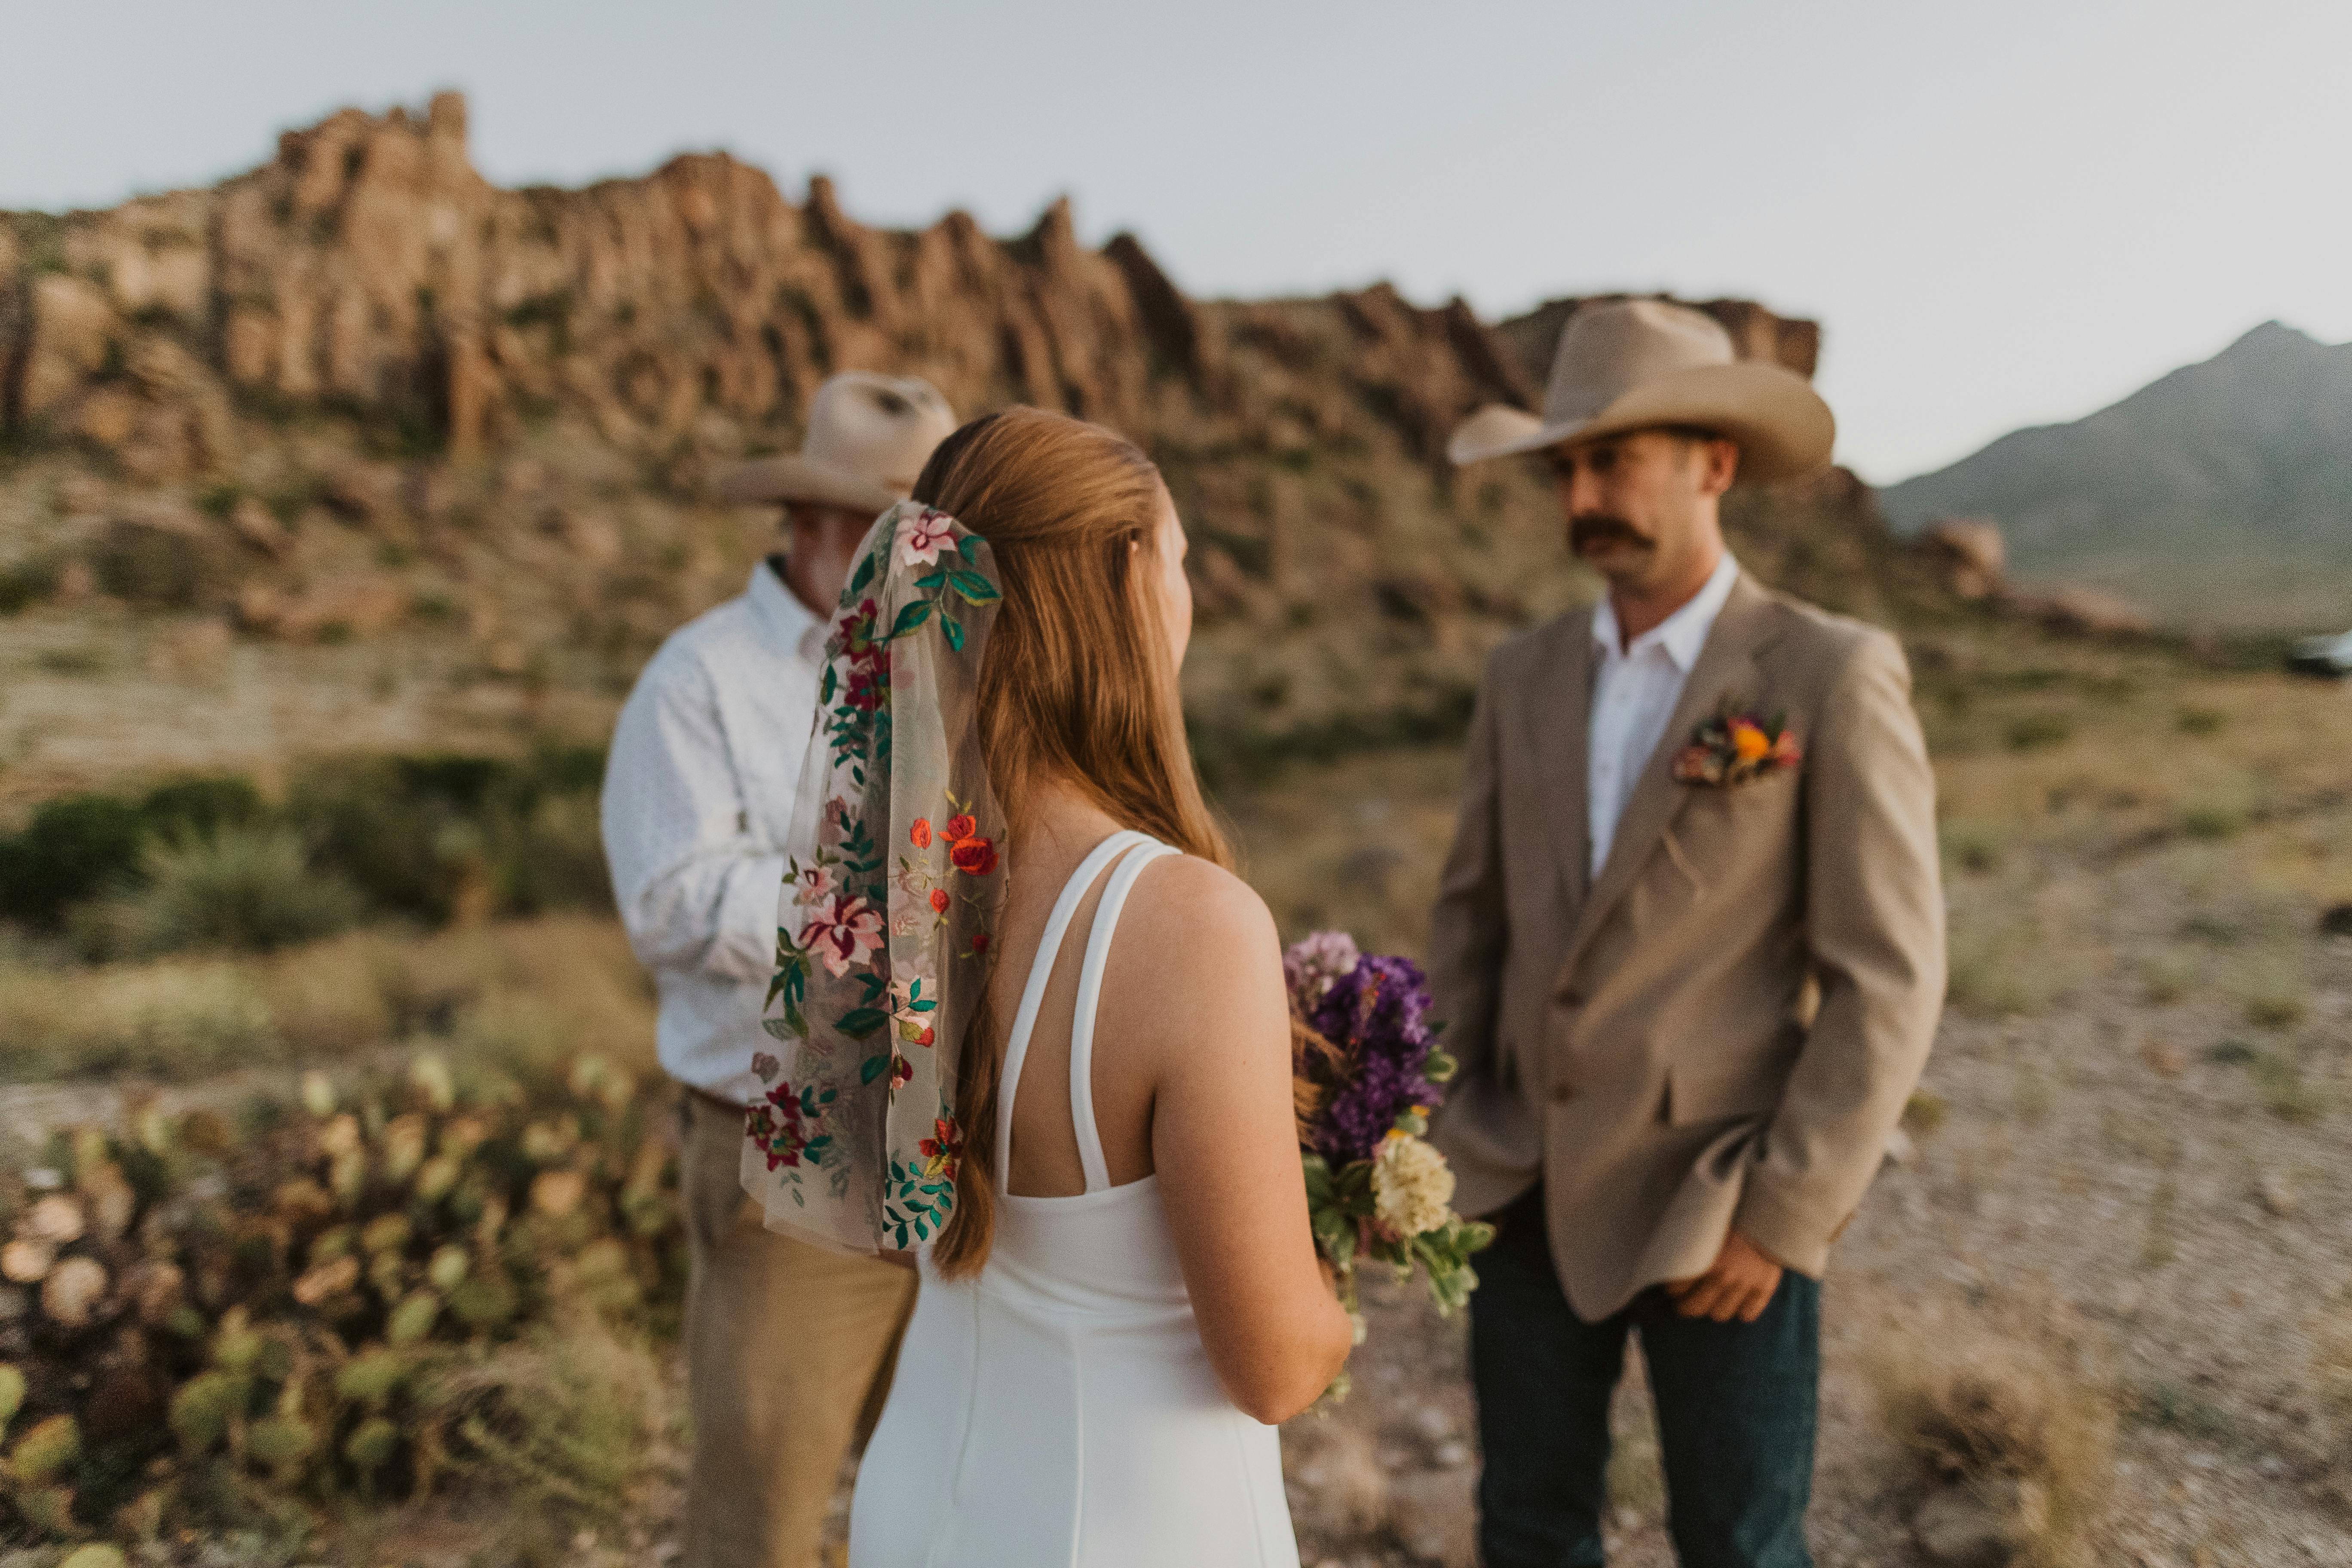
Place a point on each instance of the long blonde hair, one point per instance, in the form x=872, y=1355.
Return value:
x=1076, y=686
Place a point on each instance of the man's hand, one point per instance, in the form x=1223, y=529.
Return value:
x=1740, y=1285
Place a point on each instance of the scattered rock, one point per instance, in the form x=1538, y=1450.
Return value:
x=1982, y=1522
x=360, y=492
x=2277, y=1198
x=259, y=526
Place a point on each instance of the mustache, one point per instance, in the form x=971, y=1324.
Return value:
x=1599, y=528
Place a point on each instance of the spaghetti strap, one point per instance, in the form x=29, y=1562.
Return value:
x=1033, y=993
x=1082, y=1022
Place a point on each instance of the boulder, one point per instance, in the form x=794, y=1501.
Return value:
x=2089, y=613
x=1968, y=554
x=1985, y=1521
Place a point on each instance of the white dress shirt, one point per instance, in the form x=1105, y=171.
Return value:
x=1634, y=696
x=699, y=796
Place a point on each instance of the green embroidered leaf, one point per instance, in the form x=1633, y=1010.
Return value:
x=931, y=579
x=825, y=687
x=872, y=1067
x=860, y=1022
x=974, y=587
x=969, y=547
x=910, y=616
x=954, y=628
x=864, y=573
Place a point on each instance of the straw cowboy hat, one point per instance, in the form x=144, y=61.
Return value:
x=1634, y=364
x=869, y=438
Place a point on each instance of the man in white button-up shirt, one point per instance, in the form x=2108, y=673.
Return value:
x=788, y=1347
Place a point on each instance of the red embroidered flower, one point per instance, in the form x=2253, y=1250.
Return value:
x=942, y=1151
x=973, y=857
x=921, y=832
x=980, y=941
x=961, y=825
x=940, y=899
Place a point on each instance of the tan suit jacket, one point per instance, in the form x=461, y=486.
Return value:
x=1721, y=1027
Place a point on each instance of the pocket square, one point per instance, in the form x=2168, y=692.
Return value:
x=1737, y=747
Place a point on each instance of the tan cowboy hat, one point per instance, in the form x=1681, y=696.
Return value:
x=869, y=438
x=1634, y=364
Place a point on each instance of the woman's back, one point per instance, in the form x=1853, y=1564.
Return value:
x=1061, y=1408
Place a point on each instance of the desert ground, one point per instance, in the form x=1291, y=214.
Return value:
x=2107, y=1259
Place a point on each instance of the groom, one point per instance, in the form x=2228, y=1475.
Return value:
x=1690, y=939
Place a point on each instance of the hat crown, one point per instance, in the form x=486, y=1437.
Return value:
x=879, y=427
x=1612, y=346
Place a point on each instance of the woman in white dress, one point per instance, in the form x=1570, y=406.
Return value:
x=1120, y=1294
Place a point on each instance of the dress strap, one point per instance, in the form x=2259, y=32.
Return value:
x=1033, y=993
x=1082, y=1022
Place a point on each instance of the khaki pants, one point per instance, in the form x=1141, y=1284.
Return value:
x=788, y=1355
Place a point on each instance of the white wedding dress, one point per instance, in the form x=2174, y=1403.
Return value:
x=1058, y=1409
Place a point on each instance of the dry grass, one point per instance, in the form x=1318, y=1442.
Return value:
x=569, y=1416
x=1972, y=1399
x=522, y=994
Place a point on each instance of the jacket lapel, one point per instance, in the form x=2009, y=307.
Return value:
x=1560, y=701
x=1726, y=668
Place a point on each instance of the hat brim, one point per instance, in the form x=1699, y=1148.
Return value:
x=1783, y=428
x=793, y=478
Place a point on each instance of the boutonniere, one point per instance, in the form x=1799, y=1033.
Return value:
x=1736, y=747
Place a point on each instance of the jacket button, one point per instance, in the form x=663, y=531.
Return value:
x=1561, y=1093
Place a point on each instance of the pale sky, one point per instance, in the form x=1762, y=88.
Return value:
x=2004, y=212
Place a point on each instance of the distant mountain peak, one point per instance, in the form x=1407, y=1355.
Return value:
x=2222, y=491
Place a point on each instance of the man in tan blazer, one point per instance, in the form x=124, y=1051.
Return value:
x=1690, y=944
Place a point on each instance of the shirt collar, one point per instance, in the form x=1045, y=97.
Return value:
x=784, y=621
x=1682, y=633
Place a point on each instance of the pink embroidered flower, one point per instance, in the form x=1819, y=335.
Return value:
x=841, y=929
x=813, y=884
x=923, y=536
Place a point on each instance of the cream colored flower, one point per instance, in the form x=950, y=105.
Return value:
x=1412, y=1185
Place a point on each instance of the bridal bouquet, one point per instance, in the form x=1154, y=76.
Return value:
x=1366, y=1069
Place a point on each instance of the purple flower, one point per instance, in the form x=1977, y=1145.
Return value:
x=1375, y=1014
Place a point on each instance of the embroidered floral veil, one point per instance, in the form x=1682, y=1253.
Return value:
x=891, y=893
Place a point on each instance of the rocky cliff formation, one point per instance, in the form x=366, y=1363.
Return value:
x=360, y=392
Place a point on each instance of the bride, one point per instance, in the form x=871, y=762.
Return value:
x=1071, y=1099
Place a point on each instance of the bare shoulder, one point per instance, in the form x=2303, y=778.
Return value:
x=1197, y=914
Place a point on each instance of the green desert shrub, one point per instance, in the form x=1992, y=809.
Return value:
x=249, y=888
x=439, y=837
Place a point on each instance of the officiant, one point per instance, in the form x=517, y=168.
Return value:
x=788, y=1346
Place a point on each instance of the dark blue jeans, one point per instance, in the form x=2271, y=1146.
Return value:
x=1736, y=1405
